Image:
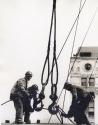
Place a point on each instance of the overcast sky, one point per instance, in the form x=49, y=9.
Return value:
x=24, y=32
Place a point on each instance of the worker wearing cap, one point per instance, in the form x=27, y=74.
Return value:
x=18, y=94
x=80, y=102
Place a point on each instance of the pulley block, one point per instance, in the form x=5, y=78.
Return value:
x=38, y=105
x=53, y=97
x=53, y=109
x=41, y=96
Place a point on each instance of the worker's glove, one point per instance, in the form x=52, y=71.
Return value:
x=64, y=115
x=65, y=85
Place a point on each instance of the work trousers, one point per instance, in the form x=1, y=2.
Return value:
x=22, y=107
x=80, y=118
x=18, y=104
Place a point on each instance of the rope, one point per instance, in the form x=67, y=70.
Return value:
x=71, y=29
x=74, y=42
x=80, y=47
x=48, y=50
x=91, y=75
x=93, y=68
x=75, y=36
x=49, y=119
x=67, y=117
x=80, y=9
x=63, y=105
x=53, y=95
x=72, y=52
x=47, y=60
x=59, y=119
x=83, y=41
x=47, y=57
x=6, y=102
x=54, y=61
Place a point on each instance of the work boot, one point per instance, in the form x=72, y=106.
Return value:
x=27, y=122
x=27, y=118
x=19, y=122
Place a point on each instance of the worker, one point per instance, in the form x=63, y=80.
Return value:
x=80, y=102
x=33, y=91
x=18, y=94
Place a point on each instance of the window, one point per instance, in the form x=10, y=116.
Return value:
x=91, y=104
x=84, y=82
x=91, y=114
x=91, y=82
x=91, y=109
x=85, y=54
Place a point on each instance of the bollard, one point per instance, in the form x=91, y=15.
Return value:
x=38, y=121
x=7, y=121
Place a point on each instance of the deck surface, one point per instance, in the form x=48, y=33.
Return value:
x=35, y=124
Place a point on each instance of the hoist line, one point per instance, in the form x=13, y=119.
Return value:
x=92, y=73
x=71, y=29
x=63, y=105
x=72, y=52
x=49, y=119
x=47, y=62
x=48, y=51
x=93, y=68
x=74, y=40
x=53, y=95
x=65, y=43
x=83, y=41
x=77, y=54
x=74, y=36
x=67, y=118
x=47, y=57
x=59, y=119
x=54, y=61
x=70, y=32
x=80, y=48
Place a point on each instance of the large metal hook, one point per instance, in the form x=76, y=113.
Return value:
x=53, y=108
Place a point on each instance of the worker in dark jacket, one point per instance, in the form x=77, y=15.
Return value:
x=80, y=102
x=33, y=95
x=20, y=96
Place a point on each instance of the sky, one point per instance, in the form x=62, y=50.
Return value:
x=24, y=33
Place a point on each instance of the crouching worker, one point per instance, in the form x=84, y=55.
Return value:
x=33, y=95
x=21, y=98
x=80, y=102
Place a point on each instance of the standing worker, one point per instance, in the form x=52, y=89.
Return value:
x=20, y=96
x=80, y=102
